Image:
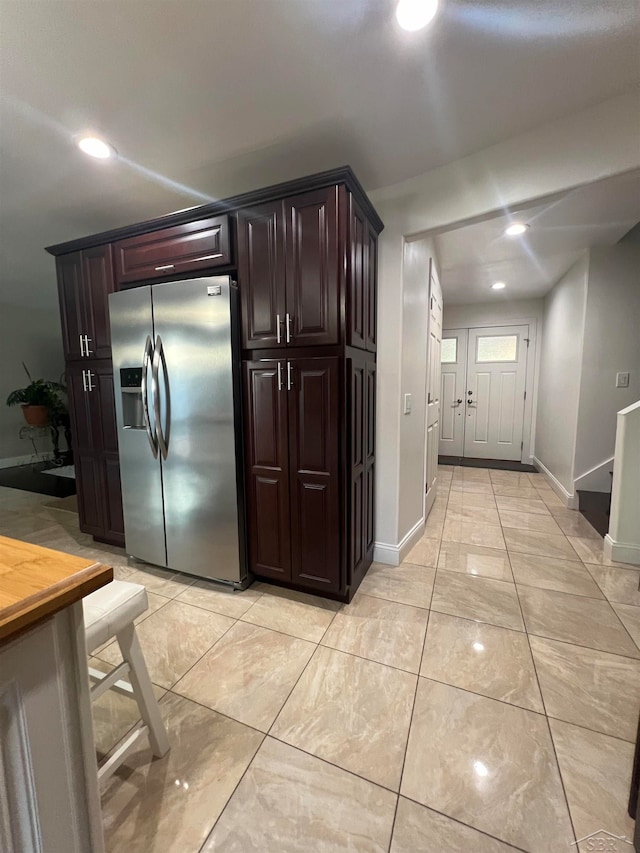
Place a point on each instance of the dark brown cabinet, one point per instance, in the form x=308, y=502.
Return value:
x=306, y=260
x=93, y=427
x=85, y=280
x=199, y=245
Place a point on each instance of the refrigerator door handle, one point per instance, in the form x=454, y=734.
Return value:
x=158, y=357
x=146, y=358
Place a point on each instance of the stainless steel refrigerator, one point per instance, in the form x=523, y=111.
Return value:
x=176, y=367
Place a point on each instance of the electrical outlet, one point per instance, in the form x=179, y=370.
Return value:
x=622, y=380
x=407, y=404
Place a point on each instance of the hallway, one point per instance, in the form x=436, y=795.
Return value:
x=492, y=681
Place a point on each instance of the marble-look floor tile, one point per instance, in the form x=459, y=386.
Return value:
x=464, y=473
x=154, y=601
x=481, y=514
x=495, y=662
x=619, y=585
x=406, y=583
x=529, y=521
x=157, y=805
x=291, y=802
x=551, y=500
x=418, y=829
x=223, y=600
x=434, y=525
x=352, y=712
x=173, y=639
x=596, y=771
x=475, y=560
x=521, y=505
x=464, y=499
x=592, y=551
x=296, y=613
x=479, y=486
x=113, y=713
x=551, y=573
x=572, y=523
x=424, y=553
x=593, y=689
x=248, y=674
x=575, y=619
x=379, y=630
x=630, y=618
x=481, y=599
x=159, y=581
x=542, y=544
x=522, y=492
x=472, y=533
x=491, y=766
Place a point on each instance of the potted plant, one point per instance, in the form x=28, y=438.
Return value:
x=40, y=400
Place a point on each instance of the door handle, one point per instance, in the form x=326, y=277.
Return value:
x=84, y=380
x=279, y=377
x=87, y=351
x=146, y=358
x=278, y=335
x=82, y=350
x=459, y=402
x=158, y=358
x=90, y=385
x=288, y=326
x=469, y=402
x=289, y=377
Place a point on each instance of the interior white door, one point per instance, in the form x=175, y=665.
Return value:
x=453, y=362
x=494, y=402
x=433, y=386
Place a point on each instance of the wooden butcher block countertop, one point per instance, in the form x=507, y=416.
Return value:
x=37, y=582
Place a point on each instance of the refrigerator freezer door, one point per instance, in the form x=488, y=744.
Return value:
x=131, y=320
x=193, y=370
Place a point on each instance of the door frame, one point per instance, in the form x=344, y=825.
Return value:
x=531, y=377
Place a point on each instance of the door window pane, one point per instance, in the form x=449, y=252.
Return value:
x=449, y=351
x=497, y=348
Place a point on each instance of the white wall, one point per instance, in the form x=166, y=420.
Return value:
x=560, y=369
x=580, y=148
x=611, y=344
x=33, y=336
x=503, y=312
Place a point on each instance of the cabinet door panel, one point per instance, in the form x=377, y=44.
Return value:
x=72, y=306
x=113, y=521
x=357, y=277
x=184, y=248
x=83, y=426
x=261, y=275
x=357, y=416
x=370, y=449
x=372, y=290
x=98, y=283
x=267, y=455
x=315, y=484
x=90, y=485
x=313, y=269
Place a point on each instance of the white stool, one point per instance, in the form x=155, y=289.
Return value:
x=109, y=612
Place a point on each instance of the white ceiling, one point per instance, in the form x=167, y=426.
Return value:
x=475, y=256
x=206, y=98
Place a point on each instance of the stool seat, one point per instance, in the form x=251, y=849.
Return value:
x=110, y=609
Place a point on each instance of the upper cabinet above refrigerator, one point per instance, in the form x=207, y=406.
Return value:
x=300, y=261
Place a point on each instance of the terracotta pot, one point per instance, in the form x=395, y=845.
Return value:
x=36, y=415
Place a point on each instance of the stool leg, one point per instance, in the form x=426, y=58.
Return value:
x=143, y=689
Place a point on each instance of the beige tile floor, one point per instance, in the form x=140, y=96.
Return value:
x=482, y=696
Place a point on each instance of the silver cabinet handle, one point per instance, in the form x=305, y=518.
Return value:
x=165, y=267
x=279, y=377
x=288, y=322
x=90, y=385
x=289, y=377
x=84, y=380
x=87, y=341
x=146, y=358
x=278, y=336
x=158, y=358
x=82, y=350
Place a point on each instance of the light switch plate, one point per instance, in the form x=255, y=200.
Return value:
x=407, y=404
x=622, y=380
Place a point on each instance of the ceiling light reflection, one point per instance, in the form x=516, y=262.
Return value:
x=413, y=15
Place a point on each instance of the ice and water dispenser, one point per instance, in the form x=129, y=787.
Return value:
x=132, y=404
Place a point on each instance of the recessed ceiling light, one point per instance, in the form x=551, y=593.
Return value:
x=413, y=15
x=95, y=147
x=515, y=229
x=498, y=285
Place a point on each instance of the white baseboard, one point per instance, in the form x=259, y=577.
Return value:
x=14, y=461
x=393, y=555
x=622, y=552
x=598, y=479
x=569, y=500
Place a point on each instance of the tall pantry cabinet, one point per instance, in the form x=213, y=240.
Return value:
x=305, y=258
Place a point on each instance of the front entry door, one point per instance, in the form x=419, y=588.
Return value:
x=495, y=393
x=454, y=392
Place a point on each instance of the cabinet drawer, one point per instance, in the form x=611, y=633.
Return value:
x=194, y=246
